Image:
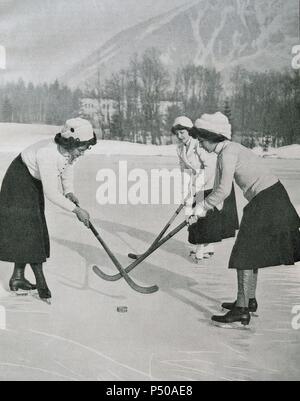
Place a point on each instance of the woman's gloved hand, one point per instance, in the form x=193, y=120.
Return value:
x=200, y=211
x=192, y=220
x=72, y=198
x=83, y=216
x=190, y=215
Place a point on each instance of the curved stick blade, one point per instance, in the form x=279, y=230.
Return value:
x=133, y=285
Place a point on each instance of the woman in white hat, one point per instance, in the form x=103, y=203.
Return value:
x=39, y=170
x=201, y=167
x=269, y=232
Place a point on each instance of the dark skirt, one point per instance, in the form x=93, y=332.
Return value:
x=269, y=233
x=23, y=230
x=216, y=225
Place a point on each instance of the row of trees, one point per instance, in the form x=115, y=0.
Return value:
x=267, y=104
x=27, y=103
x=261, y=105
x=147, y=98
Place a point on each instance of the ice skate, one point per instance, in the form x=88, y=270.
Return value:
x=44, y=294
x=253, y=306
x=197, y=255
x=21, y=287
x=236, y=315
x=192, y=254
x=208, y=255
x=197, y=259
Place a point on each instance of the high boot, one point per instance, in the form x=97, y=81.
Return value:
x=18, y=282
x=42, y=287
x=253, y=305
x=235, y=315
x=247, y=285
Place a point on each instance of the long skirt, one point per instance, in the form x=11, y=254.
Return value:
x=24, y=235
x=217, y=225
x=269, y=233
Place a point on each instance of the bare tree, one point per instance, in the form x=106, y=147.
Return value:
x=154, y=82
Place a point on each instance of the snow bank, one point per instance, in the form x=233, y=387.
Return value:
x=289, y=152
x=272, y=152
x=129, y=148
x=285, y=152
x=16, y=137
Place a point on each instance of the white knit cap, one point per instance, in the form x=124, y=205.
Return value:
x=78, y=128
x=183, y=122
x=217, y=123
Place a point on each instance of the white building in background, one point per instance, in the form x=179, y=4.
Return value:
x=101, y=111
x=98, y=110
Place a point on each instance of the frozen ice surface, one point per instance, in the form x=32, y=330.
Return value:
x=164, y=336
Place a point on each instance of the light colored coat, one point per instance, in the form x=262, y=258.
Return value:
x=46, y=164
x=198, y=164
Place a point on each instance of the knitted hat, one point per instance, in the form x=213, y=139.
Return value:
x=181, y=123
x=78, y=128
x=216, y=123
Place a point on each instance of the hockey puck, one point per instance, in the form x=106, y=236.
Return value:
x=133, y=256
x=122, y=309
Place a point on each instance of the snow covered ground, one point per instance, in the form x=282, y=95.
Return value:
x=164, y=336
x=285, y=152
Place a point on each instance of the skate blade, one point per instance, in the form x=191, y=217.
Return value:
x=198, y=262
x=254, y=314
x=20, y=293
x=195, y=260
x=231, y=326
x=46, y=301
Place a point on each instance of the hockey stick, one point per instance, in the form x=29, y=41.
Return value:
x=129, y=268
x=161, y=234
x=122, y=272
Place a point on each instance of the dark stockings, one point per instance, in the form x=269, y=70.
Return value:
x=41, y=283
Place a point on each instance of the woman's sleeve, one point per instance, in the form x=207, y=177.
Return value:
x=185, y=177
x=67, y=180
x=208, y=162
x=47, y=164
x=227, y=165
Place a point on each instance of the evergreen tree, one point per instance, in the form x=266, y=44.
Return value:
x=7, y=111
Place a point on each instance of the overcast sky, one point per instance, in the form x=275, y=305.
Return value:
x=45, y=37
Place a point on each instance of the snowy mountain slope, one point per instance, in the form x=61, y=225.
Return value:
x=257, y=34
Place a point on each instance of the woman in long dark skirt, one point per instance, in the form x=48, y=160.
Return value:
x=39, y=170
x=269, y=232
x=199, y=168
x=220, y=223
